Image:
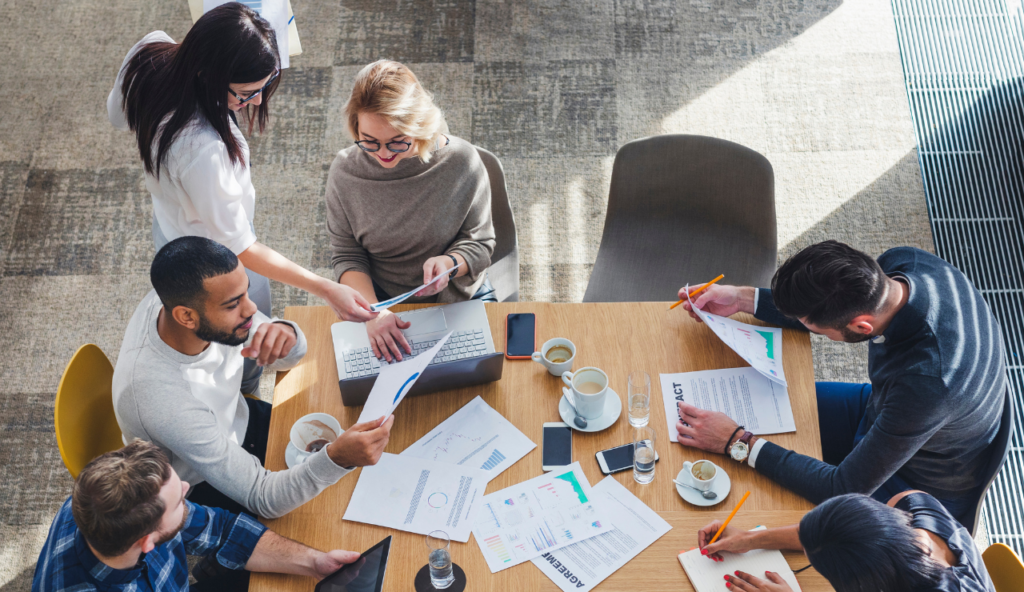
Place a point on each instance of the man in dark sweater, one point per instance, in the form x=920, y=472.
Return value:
x=938, y=380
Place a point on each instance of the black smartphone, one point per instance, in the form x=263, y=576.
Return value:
x=617, y=459
x=557, y=446
x=520, y=335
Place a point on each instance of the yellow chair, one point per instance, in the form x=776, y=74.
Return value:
x=1005, y=568
x=83, y=415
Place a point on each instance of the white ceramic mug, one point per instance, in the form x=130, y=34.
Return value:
x=553, y=368
x=313, y=427
x=589, y=405
x=701, y=484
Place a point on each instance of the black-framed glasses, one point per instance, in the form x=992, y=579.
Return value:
x=373, y=146
x=257, y=93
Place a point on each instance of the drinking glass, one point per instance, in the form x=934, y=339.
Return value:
x=643, y=454
x=440, y=560
x=639, y=399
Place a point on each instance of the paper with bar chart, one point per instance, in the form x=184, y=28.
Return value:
x=531, y=518
x=761, y=347
x=418, y=495
x=474, y=436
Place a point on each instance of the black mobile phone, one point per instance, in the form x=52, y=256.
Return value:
x=617, y=459
x=520, y=335
x=557, y=446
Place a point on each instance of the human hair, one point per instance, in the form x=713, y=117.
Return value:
x=828, y=284
x=391, y=90
x=116, y=499
x=181, y=266
x=862, y=545
x=230, y=44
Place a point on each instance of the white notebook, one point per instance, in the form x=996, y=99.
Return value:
x=708, y=576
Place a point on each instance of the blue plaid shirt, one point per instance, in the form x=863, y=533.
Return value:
x=67, y=564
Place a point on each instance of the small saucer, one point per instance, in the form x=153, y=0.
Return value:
x=612, y=412
x=722, y=487
x=294, y=457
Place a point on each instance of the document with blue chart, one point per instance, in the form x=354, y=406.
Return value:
x=418, y=495
x=537, y=516
x=394, y=382
x=474, y=436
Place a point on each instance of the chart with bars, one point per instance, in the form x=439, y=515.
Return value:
x=493, y=460
x=495, y=544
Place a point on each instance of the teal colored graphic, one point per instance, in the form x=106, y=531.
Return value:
x=769, y=342
x=571, y=478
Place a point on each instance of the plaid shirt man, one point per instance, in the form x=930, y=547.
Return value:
x=67, y=564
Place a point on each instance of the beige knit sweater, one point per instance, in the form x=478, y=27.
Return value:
x=388, y=222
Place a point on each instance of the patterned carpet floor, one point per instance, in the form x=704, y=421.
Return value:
x=553, y=87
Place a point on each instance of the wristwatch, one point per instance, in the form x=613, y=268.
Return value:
x=740, y=449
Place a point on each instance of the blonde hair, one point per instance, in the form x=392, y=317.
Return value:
x=391, y=90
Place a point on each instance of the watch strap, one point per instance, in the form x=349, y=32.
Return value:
x=455, y=262
x=746, y=437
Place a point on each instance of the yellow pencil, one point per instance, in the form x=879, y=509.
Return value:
x=726, y=523
x=698, y=291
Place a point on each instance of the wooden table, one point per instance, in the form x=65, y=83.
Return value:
x=616, y=337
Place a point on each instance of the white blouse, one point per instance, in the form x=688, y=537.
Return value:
x=199, y=191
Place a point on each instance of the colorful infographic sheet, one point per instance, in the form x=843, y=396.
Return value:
x=537, y=516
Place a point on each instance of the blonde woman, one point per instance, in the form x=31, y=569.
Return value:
x=407, y=203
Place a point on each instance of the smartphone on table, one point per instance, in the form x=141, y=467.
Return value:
x=520, y=335
x=557, y=448
x=617, y=459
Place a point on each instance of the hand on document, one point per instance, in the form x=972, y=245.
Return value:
x=362, y=444
x=707, y=430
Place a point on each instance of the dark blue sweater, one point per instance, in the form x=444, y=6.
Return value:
x=937, y=387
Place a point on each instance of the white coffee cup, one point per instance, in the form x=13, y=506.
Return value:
x=556, y=369
x=311, y=430
x=589, y=404
x=706, y=468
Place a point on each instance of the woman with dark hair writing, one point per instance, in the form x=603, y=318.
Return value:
x=182, y=102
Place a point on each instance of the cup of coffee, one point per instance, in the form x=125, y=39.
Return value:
x=701, y=474
x=589, y=387
x=313, y=432
x=557, y=355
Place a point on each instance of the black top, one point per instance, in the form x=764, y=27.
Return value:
x=969, y=573
x=937, y=387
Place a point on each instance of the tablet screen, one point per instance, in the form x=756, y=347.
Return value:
x=366, y=574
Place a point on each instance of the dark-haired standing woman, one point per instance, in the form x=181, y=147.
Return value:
x=181, y=101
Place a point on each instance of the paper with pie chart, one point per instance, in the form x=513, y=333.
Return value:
x=474, y=436
x=761, y=347
x=418, y=495
x=534, y=517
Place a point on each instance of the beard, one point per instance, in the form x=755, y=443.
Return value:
x=169, y=536
x=207, y=332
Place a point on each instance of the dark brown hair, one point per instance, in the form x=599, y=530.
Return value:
x=116, y=498
x=166, y=85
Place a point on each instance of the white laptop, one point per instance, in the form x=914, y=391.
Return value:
x=467, y=359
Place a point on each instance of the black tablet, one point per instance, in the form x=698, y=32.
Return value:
x=365, y=574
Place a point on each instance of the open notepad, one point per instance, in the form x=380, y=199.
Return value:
x=707, y=575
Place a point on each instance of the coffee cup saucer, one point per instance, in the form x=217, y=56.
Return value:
x=612, y=412
x=294, y=457
x=722, y=486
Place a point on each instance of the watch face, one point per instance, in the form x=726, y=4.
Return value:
x=738, y=451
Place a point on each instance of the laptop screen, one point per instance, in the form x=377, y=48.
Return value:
x=366, y=574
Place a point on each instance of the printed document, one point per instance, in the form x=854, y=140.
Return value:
x=707, y=575
x=474, y=436
x=582, y=565
x=276, y=13
x=394, y=382
x=403, y=297
x=537, y=516
x=761, y=347
x=760, y=405
x=417, y=495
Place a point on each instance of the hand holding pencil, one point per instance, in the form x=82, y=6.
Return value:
x=716, y=299
x=732, y=539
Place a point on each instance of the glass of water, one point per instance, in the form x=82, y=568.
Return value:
x=639, y=398
x=643, y=454
x=440, y=560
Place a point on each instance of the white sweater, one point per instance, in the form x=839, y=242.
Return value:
x=199, y=191
x=193, y=409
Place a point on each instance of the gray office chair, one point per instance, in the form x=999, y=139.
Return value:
x=504, y=270
x=683, y=209
x=1000, y=451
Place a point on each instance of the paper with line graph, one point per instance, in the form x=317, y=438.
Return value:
x=761, y=347
x=474, y=436
x=418, y=495
x=394, y=382
x=534, y=517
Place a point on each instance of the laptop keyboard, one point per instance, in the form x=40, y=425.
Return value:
x=461, y=345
